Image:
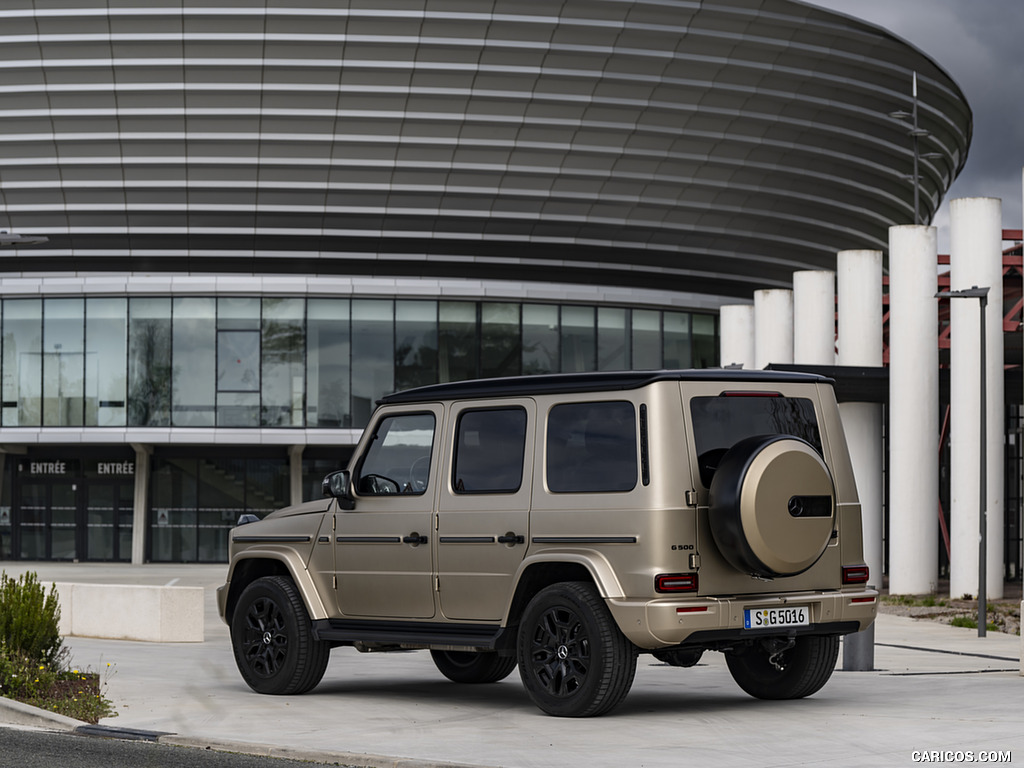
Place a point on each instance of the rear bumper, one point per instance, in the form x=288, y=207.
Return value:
x=674, y=621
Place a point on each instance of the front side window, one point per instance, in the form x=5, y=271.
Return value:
x=398, y=459
x=489, y=450
x=722, y=421
x=591, y=447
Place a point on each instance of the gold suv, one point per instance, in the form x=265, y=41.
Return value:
x=565, y=524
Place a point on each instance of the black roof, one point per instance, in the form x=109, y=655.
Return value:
x=555, y=383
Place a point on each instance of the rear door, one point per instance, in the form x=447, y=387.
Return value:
x=484, y=506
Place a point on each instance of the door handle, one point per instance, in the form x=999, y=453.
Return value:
x=511, y=538
x=414, y=538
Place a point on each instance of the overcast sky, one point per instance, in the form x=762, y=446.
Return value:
x=981, y=44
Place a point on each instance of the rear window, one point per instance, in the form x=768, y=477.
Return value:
x=721, y=422
x=591, y=447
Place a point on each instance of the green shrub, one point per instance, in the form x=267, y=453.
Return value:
x=30, y=620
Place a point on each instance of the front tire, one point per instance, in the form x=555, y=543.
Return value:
x=573, y=660
x=473, y=667
x=797, y=672
x=273, y=641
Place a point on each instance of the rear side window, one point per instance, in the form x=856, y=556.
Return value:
x=591, y=447
x=721, y=422
x=489, y=450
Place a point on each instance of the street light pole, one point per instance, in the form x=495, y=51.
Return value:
x=981, y=294
x=915, y=133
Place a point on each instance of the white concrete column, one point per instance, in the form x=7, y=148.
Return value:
x=736, y=335
x=814, y=317
x=140, y=516
x=859, y=276
x=773, y=326
x=975, y=259
x=913, y=411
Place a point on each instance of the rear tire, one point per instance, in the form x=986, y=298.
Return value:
x=573, y=659
x=473, y=667
x=273, y=641
x=679, y=657
x=805, y=667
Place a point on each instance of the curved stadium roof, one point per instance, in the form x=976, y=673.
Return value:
x=709, y=146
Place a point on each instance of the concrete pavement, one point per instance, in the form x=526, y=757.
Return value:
x=935, y=688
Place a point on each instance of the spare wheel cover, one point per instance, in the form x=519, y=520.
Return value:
x=772, y=505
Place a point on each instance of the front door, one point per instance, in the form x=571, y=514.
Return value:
x=383, y=547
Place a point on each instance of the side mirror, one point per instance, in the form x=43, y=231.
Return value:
x=338, y=485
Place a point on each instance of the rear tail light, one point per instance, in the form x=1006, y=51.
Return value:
x=675, y=582
x=855, y=574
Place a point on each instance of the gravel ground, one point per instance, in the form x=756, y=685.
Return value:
x=1005, y=614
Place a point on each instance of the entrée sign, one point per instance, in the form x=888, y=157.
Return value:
x=102, y=467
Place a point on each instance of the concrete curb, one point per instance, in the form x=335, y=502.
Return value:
x=348, y=759
x=16, y=713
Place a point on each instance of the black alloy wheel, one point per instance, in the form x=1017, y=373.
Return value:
x=573, y=660
x=272, y=639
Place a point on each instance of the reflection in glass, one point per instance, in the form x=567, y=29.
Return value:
x=677, y=340
x=63, y=362
x=500, y=340
x=705, y=344
x=193, y=351
x=373, y=340
x=238, y=362
x=283, y=347
x=415, y=343
x=106, y=347
x=579, y=339
x=540, y=338
x=23, y=362
x=149, y=362
x=173, y=513
x=646, y=339
x=457, y=341
x=328, y=355
x=612, y=339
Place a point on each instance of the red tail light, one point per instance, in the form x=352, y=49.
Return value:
x=675, y=582
x=855, y=574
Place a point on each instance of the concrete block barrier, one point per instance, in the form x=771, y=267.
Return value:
x=132, y=612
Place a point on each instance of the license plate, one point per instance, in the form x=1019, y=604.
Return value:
x=769, y=618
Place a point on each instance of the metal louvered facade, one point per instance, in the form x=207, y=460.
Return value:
x=707, y=147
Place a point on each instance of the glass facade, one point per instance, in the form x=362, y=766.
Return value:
x=191, y=361
x=195, y=501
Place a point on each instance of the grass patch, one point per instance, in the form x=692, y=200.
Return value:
x=969, y=623
x=71, y=692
